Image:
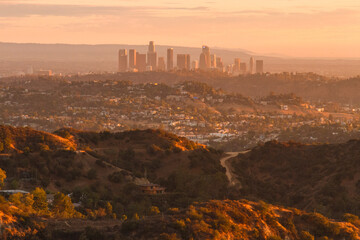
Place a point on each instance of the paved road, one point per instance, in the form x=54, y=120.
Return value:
x=229, y=173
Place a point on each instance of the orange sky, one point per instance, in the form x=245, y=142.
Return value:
x=300, y=28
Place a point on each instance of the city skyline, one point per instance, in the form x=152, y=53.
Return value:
x=207, y=62
x=277, y=27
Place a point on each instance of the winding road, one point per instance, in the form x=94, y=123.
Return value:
x=229, y=173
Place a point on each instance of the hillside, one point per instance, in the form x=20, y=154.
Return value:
x=323, y=178
x=22, y=139
x=110, y=167
x=231, y=220
x=208, y=220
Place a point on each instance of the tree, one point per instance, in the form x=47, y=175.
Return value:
x=2, y=177
x=62, y=206
x=109, y=208
x=23, y=201
x=40, y=200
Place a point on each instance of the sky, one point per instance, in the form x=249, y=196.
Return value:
x=295, y=28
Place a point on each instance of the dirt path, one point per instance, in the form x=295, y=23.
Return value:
x=225, y=163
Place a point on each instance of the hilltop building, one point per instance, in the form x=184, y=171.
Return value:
x=152, y=189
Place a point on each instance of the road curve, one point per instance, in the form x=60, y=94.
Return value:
x=233, y=181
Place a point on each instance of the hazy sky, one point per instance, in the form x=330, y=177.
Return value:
x=304, y=28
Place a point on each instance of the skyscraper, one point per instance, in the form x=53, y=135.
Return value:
x=123, y=64
x=151, y=48
x=152, y=56
x=259, y=66
x=219, y=63
x=132, y=58
x=161, y=64
x=213, y=60
x=183, y=61
x=237, y=62
x=141, y=62
x=188, y=62
x=195, y=64
x=243, y=68
x=170, y=59
x=205, y=60
x=251, y=65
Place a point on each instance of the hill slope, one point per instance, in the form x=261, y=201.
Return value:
x=324, y=178
x=240, y=220
x=26, y=139
x=111, y=166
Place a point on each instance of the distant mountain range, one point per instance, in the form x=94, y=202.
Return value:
x=70, y=58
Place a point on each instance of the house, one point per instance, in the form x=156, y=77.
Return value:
x=151, y=189
x=8, y=193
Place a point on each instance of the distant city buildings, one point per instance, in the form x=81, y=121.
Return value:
x=213, y=60
x=141, y=62
x=195, y=65
x=132, y=58
x=236, y=65
x=43, y=73
x=123, y=60
x=219, y=64
x=161, y=64
x=205, y=59
x=243, y=68
x=170, y=59
x=152, y=56
x=135, y=61
x=251, y=65
x=183, y=62
x=259, y=66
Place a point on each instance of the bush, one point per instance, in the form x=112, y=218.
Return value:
x=116, y=177
x=91, y=174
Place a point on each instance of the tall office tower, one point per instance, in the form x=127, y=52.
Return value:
x=123, y=61
x=170, y=59
x=188, y=62
x=195, y=64
x=251, y=65
x=132, y=58
x=151, y=48
x=213, y=60
x=219, y=63
x=141, y=62
x=205, y=60
x=202, y=62
x=152, y=56
x=236, y=67
x=161, y=64
x=259, y=66
x=181, y=61
x=243, y=68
